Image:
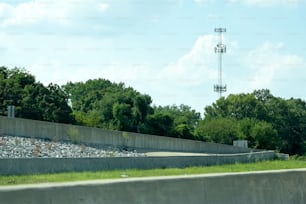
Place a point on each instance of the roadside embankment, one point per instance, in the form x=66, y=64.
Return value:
x=177, y=160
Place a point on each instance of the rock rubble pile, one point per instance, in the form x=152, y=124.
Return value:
x=20, y=147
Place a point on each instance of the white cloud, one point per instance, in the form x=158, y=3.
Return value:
x=213, y=16
x=269, y=64
x=267, y=3
x=103, y=6
x=5, y=10
x=196, y=66
x=60, y=72
x=40, y=10
x=201, y=2
x=232, y=1
x=126, y=72
x=191, y=78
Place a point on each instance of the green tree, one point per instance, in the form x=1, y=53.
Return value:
x=237, y=106
x=259, y=134
x=101, y=103
x=265, y=120
x=13, y=81
x=264, y=136
x=32, y=99
x=292, y=126
x=185, y=119
x=55, y=103
x=218, y=130
x=123, y=116
x=158, y=124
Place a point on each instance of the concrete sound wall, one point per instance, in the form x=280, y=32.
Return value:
x=56, y=165
x=266, y=187
x=80, y=134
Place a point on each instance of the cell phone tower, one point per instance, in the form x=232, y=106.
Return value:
x=220, y=49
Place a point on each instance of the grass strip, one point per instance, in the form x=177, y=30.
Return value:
x=132, y=173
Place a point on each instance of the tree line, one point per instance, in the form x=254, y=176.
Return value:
x=266, y=121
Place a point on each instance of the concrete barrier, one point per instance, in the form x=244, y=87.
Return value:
x=265, y=187
x=96, y=136
x=56, y=165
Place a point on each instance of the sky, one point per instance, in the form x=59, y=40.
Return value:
x=163, y=48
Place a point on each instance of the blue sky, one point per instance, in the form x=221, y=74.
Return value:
x=164, y=48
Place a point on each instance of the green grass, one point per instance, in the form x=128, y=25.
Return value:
x=64, y=177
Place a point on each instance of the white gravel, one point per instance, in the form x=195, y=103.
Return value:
x=20, y=147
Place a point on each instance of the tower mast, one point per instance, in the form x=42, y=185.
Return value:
x=220, y=49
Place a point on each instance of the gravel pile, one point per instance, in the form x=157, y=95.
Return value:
x=19, y=147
